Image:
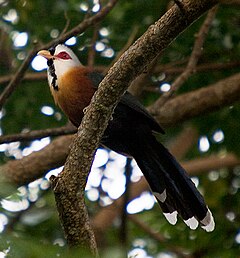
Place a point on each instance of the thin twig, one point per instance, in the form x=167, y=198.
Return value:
x=92, y=50
x=196, y=53
x=66, y=25
x=17, y=78
x=38, y=134
x=86, y=23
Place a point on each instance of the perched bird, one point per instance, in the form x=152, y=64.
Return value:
x=131, y=132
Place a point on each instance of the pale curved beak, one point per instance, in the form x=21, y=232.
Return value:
x=45, y=53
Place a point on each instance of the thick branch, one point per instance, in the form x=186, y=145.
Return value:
x=198, y=102
x=69, y=186
x=36, y=165
x=213, y=162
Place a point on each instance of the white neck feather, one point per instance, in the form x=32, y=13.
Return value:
x=62, y=66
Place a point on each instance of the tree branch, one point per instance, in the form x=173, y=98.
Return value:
x=35, y=165
x=69, y=186
x=92, y=50
x=213, y=162
x=17, y=78
x=198, y=102
x=86, y=23
x=38, y=134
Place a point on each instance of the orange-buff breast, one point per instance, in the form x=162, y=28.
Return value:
x=75, y=93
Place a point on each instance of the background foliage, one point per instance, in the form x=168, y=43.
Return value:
x=33, y=230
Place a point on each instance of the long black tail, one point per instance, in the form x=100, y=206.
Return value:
x=174, y=190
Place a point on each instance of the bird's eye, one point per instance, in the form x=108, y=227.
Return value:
x=64, y=55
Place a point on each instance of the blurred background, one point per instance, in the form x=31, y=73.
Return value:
x=125, y=215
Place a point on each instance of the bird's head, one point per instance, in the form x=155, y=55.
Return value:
x=60, y=59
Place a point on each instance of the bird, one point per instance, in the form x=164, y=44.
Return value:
x=131, y=131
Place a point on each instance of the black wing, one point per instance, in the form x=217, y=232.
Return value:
x=130, y=101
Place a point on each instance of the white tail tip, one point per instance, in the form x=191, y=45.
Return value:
x=192, y=223
x=208, y=222
x=171, y=217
